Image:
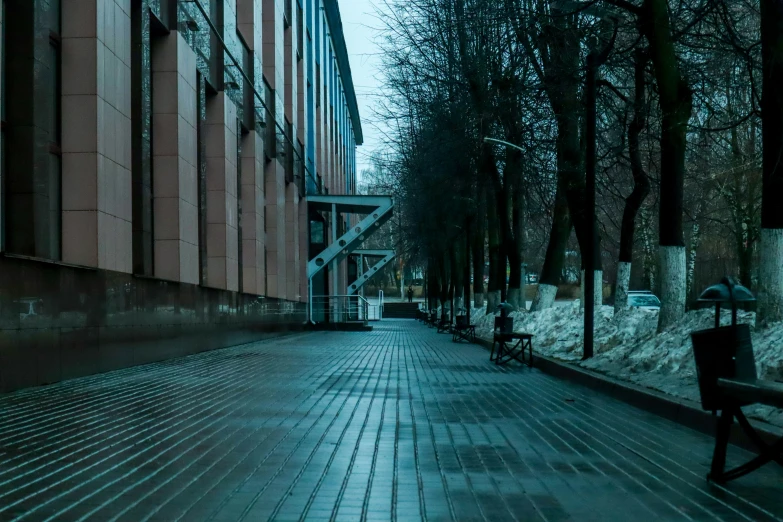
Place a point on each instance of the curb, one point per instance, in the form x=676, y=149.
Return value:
x=681, y=411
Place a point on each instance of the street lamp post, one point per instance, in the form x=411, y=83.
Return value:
x=503, y=311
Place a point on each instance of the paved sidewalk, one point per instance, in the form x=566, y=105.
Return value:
x=397, y=424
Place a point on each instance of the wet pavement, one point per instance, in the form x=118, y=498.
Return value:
x=396, y=424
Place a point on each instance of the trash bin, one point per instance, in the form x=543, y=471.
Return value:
x=461, y=321
x=504, y=325
x=719, y=352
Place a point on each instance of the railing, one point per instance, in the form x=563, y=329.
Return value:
x=343, y=309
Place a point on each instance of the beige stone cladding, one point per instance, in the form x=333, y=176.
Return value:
x=222, y=158
x=96, y=127
x=253, y=232
x=175, y=159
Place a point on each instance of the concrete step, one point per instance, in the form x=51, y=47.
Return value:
x=400, y=310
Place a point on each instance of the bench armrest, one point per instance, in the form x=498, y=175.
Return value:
x=769, y=393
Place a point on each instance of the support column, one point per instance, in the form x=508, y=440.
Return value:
x=274, y=189
x=304, y=254
x=221, y=157
x=175, y=159
x=253, y=259
x=96, y=134
x=293, y=263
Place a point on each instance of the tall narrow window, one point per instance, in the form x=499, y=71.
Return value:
x=299, y=32
x=32, y=175
x=141, y=139
x=202, y=177
x=53, y=236
x=3, y=47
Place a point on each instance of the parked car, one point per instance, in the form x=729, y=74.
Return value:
x=643, y=299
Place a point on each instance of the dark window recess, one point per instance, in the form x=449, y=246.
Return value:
x=317, y=86
x=141, y=139
x=299, y=32
x=317, y=232
x=238, y=152
x=270, y=131
x=31, y=177
x=289, y=153
x=287, y=14
x=299, y=168
x=202, y=177
x=248, y=93
x=3, y=47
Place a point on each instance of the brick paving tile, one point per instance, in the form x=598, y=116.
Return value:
x=395, y=424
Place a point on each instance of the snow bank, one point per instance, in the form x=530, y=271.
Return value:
x=627, y=346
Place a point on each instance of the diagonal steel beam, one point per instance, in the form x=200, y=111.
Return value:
x=379, y=209
x=386, y=257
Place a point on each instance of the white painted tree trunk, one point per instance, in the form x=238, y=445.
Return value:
x=649, y=257
x=622, y=286
x=695, y=240
x=514, y=298
x=545, y=298
x=770, y=287
x=493, y=300
x=478, y=300
x=458, y=303
x=598, y=295
x=672, y=270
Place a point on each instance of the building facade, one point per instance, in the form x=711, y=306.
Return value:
x=156, y=161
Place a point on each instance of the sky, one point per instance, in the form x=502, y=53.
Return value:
x=360, y=25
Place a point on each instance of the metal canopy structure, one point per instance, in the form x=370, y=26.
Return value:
x=386, y=257
x=377, y=211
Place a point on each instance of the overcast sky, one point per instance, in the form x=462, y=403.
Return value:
x=360, y=26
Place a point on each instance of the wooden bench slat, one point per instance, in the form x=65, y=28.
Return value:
x=769, y=393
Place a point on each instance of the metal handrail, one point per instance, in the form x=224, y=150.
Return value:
x=337, y=309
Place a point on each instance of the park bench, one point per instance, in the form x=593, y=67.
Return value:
x=463, y=330
x=432, y=320
x=510, y=345
x=444, y=324
x=726, y=370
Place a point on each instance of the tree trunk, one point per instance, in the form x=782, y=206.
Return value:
x=466, y=270
x=458, y=273
x=694, y=247
x=649, y=263
x=552, y=270
x=770, y=289
x=745, y=252
x=641, y=185
x=515, y=235
x=445, y=285
x=676, y=105
x=479, y=237
x=496, y=257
